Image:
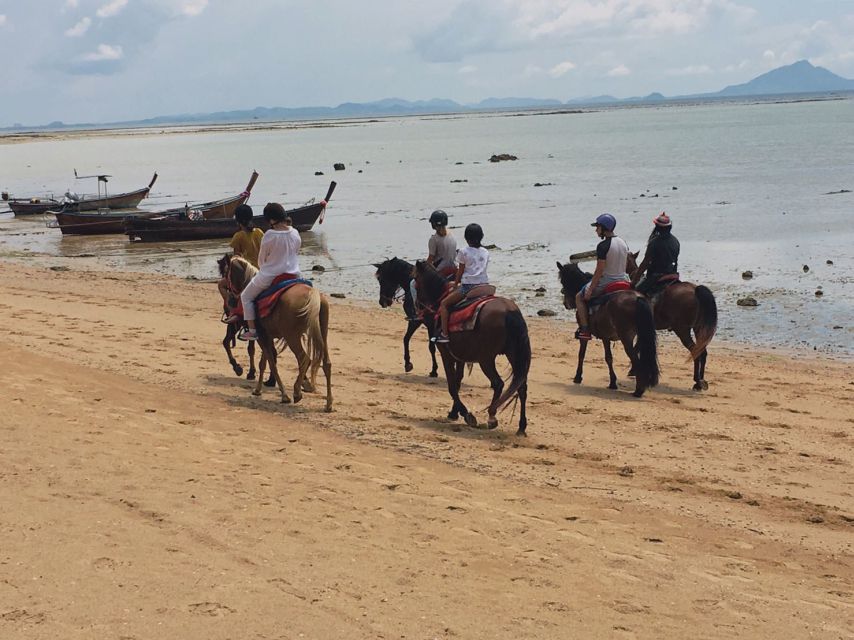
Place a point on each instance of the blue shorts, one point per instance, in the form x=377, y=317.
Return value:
x=465, y=288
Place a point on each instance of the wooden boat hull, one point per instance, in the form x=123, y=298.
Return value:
x=129, y=200
x=175, y=229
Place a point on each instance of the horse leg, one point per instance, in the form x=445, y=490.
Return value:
x=470, y=419
x=685, y=338
x=269, y=353
x=327, y=362
x=227, y=342
x=303, y=363
x=582, y=349
x=609, y=359
x=523, y=418
x=702, y=361
x=631, y=351
x=434, y=372
x=250, y=349
x=411, y=328
x=497, y=384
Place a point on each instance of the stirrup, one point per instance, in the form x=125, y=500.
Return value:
x=440, y=338
x=248, y=335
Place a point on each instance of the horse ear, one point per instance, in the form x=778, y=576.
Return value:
x=559, y=265
x=636, y=254
x=378, y=264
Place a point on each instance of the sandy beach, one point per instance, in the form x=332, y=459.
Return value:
x=147, y=494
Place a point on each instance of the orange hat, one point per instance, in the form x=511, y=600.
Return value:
x=663, y=220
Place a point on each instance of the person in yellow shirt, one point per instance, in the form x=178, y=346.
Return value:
x=247, y=241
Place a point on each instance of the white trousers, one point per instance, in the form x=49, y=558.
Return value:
x=259, y=282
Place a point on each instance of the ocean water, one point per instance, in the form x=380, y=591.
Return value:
x=749, y=187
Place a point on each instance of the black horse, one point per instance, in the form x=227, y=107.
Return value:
x=395, y=274
x=624, y=316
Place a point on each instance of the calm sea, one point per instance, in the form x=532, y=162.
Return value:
x=749, y=187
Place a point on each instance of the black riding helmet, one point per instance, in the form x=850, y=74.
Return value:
x=474, y=234
x=438, y=219
x=243, y=215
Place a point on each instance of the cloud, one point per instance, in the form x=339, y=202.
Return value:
x=111, y=8
x=70, y=4
x=619, y=71
x=561, y=69
x=469, y=68
x=104, y=52
x=193, y=7
x=79, y=29
x=2, y=20
x=486, y=26
x=691, y=70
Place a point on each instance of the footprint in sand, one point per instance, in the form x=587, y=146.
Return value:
x=209, y=609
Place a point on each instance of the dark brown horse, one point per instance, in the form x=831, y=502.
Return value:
x=393, y=275
x=300, y=311
x=230, y=340
x=624, y=316
x=683, y=307
x=500, y=329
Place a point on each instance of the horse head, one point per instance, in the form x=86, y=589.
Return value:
x=390, y=278
x=238, y=272
x=632, y=263
x=431, y=284
x=223, y=263
x=572, y=278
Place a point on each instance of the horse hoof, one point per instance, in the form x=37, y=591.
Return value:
x=631, y=373
x=238, y=370
x=637, y=394
x=705, y=385
x=287, y=400
x=491, y=423
x=433, y=374
x=250, y=375
x=408, y=367
x=328, y=407
x=576, y=380
x=453, y=416
x=521, y=433
x=270, y=383
x=471, y=420
x=256, y=392
x=613, y=385
x=297, y=398
x=308, y=387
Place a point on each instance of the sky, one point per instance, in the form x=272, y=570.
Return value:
x=113, y=60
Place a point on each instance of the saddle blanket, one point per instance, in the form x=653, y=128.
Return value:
x=465, y=319
x=607, y=293
x=268, y=298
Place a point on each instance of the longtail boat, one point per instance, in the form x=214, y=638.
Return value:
x=175, y=229
x=75, y=223
x=129, y=200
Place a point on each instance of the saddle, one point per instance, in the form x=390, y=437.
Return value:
x=608, y=293
x=268, y=298
x=464, y=315
x=661, y=286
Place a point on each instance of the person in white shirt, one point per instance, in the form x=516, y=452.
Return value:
x=278, y=255
x=471, y=272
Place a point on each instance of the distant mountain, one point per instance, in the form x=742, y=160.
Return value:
x=800, y=77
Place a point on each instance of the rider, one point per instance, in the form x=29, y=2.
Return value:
x=278, y=255
x=442, y=246
x=471, y=273
x=247, y=241
x=661, y=258
x=611, y=256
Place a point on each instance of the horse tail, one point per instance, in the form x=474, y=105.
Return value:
x=311, y=311
x=707, y=323
x=647, y=370
x=517, y=347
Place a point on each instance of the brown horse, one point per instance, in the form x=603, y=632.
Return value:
x=500, y=329
x=682, y=307
x=301, y=311
x=624, y=316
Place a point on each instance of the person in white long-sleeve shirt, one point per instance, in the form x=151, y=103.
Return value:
x=278, y=255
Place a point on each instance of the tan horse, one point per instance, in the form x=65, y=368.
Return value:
x=300, y=311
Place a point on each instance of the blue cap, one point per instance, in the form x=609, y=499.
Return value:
x=606, y=221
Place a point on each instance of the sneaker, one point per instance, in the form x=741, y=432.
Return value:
x=440, y=338
x=248, y=335
x=583, y=334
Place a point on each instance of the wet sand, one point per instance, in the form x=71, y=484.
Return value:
x=146, y=493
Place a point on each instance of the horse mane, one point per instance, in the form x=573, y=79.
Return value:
x=222, y=263
x=248, y=270
x=432, y=283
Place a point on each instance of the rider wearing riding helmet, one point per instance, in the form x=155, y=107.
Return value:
x=661, y=257
x=611, y=256
x=442, y=246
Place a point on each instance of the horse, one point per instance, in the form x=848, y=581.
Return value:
x=231, y=329
x=624, y=316
x=500, y=329
x=300, y=311
x=682, y=307
x=394, y=274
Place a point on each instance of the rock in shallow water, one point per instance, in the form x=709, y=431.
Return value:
x=747, y=302
x=747, y=275
x=546, y=313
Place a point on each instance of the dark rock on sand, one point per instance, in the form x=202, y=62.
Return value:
x=540, y=289
x=542, y=184
x=458, y=163
x=319, y=268
x=747, y=275
x=338, y=295
x=674, y=188
x=819, y=293
x=829, y=262
x=747, y=302
x=318, y=173
x=458, y=180
x=339, y=166
x=546, y=313
x=806, y=268
x=836, y=193
x=500, y=157
x=60, y=268
x=490, y=247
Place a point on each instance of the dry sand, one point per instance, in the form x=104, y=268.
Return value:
x=146, y=494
